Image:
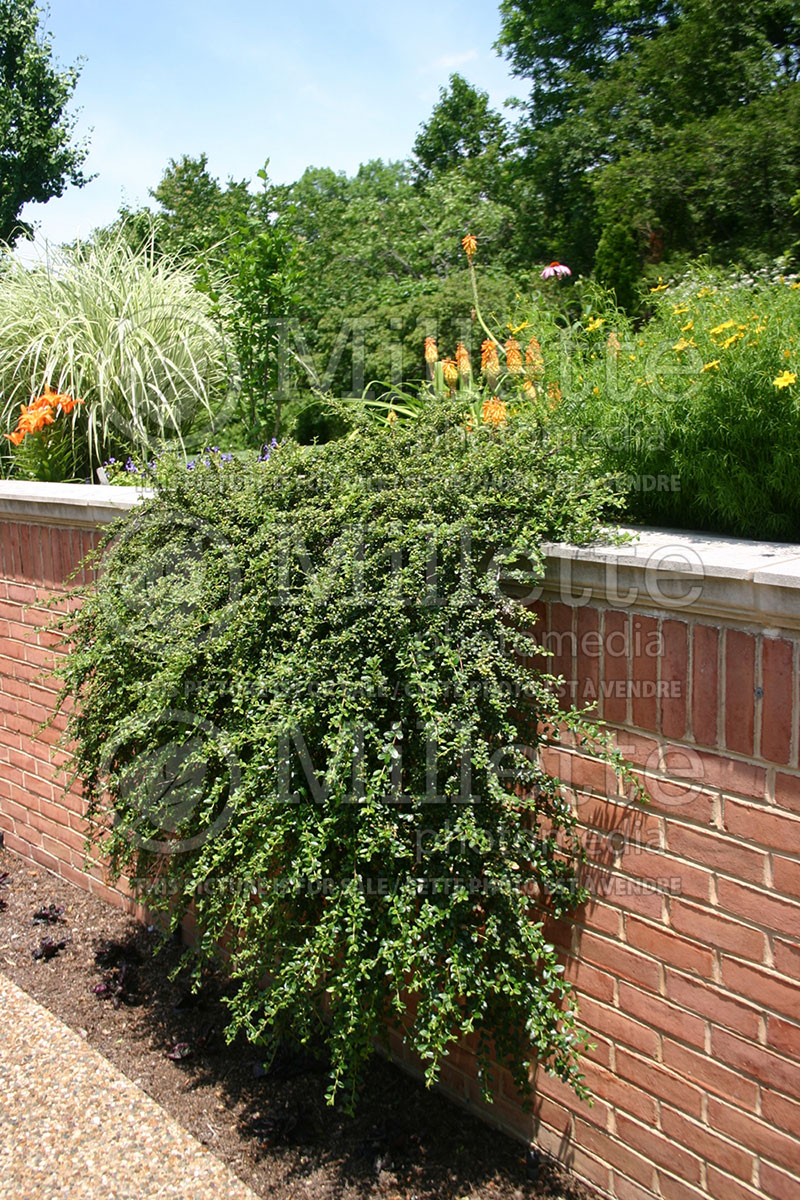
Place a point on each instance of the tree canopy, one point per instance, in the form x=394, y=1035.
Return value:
x=462, y=127
x=620, y=90
x=38, y=157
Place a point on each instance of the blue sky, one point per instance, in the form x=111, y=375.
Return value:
x=299, y=82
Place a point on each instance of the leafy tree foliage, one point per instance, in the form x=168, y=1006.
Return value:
x=195, y=211
x=461, y=128
x=617, y=263
x=617, y=82
x=557, y=43
x=37, y=156
x=253, y=288
x=724, y=183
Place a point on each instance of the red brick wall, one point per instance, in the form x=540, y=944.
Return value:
x=39, y=819
x=686, y=960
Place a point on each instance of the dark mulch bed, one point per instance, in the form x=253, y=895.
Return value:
x=273, y=1129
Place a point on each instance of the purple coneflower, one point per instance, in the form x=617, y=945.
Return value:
x=555, y=268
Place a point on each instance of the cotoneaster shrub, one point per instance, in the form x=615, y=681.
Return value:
x=310, y=709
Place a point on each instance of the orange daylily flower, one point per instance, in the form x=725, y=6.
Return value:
x=41, y=411
x=33, y=418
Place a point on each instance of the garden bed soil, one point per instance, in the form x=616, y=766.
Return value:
x=271, y=1127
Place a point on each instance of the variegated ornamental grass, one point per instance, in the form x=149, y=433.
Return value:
x=123, y=331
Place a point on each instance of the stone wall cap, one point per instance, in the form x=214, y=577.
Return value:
x=81, y=504
x=685, y=552
x=666, y=569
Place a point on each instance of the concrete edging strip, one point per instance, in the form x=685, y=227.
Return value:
x=72, y=1125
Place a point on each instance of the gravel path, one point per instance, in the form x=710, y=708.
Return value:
x=72, y=1126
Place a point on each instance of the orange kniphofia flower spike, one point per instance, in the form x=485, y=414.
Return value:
x=462, y=361
x=494, y=412
x=470, y=245
x=490, y=363
x=534, y=359
x=431, y=350
x=513, y=357
x=554, y=393
x=450, y=372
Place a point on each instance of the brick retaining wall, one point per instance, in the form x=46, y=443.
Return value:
x=686, y=961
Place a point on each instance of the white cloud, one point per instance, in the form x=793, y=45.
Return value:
x=450, y=62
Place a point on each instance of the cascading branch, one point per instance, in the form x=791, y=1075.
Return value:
x=309, y=707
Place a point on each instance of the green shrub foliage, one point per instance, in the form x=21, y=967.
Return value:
x=310, y=709
x=616, y=265
x=695, y=410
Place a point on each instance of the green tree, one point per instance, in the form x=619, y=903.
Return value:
x=557, y=43
x=38, y=158
x=461, y=128
x=617, y=79
x=255, y=294
x=725, y=182
x=617, y=264
x=195, y=211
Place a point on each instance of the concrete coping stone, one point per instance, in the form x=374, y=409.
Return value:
x=77, y=505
